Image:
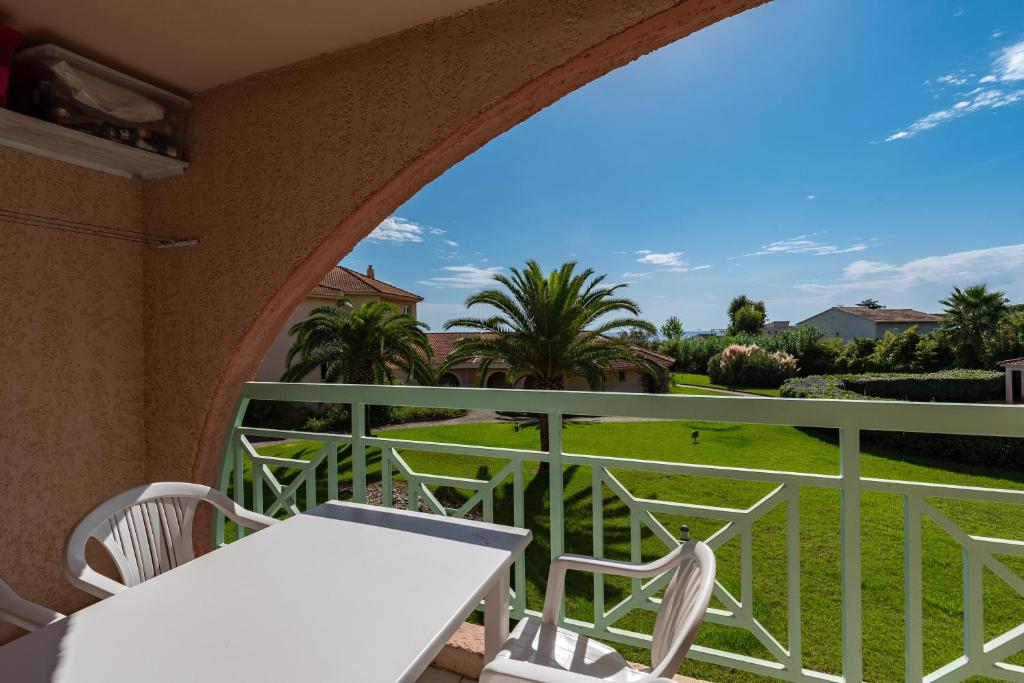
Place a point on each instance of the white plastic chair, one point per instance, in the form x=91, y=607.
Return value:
x=21, y=612
x=147, y=530
x=538, y=651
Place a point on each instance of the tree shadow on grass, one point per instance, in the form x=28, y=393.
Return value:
x=831, y=436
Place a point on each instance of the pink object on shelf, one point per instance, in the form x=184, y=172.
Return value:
x=9, y=40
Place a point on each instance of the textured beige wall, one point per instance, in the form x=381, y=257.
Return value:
x=292, y=167
x=71, y=366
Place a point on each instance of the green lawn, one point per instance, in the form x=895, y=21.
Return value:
x=769, y=447
x=705, y=381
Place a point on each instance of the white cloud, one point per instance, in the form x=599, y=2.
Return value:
x=996, y=35
x=668, y=258
x=687, y=269
x=463, y=277
x=635, y=276
x=989, y=98
x=1010, y=63
x=952, y=79
x=451, y=243
x=805, y=245
x=862, y=268
x=395, y=229
x=1007, y=68
x=810, y=196
x=958, y=268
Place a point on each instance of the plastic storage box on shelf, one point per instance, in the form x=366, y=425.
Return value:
x=9, y=40
x=56, y=85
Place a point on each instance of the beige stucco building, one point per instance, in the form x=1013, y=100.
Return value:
x=359, y=288
x=622, y=376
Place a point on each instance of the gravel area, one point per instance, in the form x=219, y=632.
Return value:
x=400, y=494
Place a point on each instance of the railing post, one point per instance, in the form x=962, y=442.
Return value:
x=359, y=453
x=555, y=483
x=849, y=471
x=794, y=618
x=913, y=617
x=519, y=520
x=232, y=465
x=597, y=509
x=332, y=470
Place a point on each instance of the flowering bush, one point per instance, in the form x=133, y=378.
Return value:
x=740, y=365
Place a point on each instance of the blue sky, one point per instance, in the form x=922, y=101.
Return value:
x=806, y=153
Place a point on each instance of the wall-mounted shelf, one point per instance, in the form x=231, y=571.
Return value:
x=75, y=147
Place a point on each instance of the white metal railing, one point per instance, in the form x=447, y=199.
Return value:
x=980, y=656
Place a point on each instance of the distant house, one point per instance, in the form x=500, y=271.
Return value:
x=622, y=376
x=848, y=322
x=774, y=327
x=340, y=282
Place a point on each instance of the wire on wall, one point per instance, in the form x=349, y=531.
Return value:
x=91, y=230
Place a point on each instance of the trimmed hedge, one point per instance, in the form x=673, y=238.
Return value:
x=949, y=386
x=964, y=386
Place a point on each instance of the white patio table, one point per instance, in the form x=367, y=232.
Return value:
x=345, y=593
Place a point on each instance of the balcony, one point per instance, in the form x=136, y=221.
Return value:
x=817, y=566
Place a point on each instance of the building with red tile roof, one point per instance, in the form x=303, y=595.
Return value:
x=849, y=322
x=621, y=375
x=360, y=288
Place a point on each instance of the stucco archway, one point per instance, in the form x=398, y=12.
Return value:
x=497, y=380
x=396, y=122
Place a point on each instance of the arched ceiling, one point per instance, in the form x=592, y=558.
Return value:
x=192, y=45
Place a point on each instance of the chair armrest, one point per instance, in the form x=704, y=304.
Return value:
x=563, y=563
x=21, y=612
x=238, y=514
x=504, y=670
x=85, y=578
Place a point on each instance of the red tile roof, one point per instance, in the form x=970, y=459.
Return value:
x=342, y=281
x=1011, y=361
x=443, y=343
x=891, y=315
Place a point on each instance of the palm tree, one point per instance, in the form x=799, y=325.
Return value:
x=970, y=315
x=364, y=345
x=551, y=328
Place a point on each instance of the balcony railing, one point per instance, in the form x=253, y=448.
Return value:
x=981, y=655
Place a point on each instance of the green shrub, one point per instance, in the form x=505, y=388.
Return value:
x=335, y=418
x=751, y=366
x=1006, y=340
x=895, y=351
x=857, y=355
x=948, y=386
x=932, y=353
x=813, y=352
x=403, y=414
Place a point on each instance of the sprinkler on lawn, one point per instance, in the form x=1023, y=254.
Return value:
x=695, y=436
